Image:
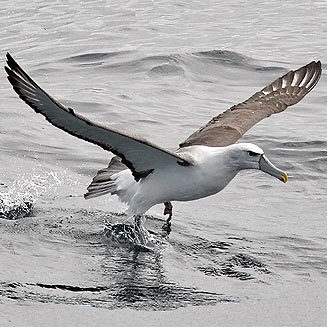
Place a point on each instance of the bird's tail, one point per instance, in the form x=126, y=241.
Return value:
x=104, y=181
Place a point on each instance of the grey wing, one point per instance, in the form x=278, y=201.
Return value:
x=229, y=126
x=139, y=155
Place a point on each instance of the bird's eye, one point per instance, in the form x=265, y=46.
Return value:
x=252, y=154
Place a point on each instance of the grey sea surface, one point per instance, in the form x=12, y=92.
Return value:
x=253, y=255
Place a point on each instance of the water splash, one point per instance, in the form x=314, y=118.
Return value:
x=14, y=208
x=19, y=199
x=129, y=234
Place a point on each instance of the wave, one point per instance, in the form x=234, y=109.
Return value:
x=168, y=64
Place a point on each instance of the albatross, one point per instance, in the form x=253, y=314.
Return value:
x=143, y=174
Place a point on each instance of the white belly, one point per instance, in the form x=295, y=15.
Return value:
x=182, y=184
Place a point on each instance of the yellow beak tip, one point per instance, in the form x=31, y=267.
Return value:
x=285, y=177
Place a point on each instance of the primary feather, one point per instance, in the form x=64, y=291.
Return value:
x=285, y=91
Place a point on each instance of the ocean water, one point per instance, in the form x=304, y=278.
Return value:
x=253, y=255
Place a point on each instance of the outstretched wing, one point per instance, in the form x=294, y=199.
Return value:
x=229, y=126
x=139, y=155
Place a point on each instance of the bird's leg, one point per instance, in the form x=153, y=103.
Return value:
x=168, y=211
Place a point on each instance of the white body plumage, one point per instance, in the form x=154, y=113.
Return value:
x=213, y=168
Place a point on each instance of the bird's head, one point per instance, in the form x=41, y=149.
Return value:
x=250, y=156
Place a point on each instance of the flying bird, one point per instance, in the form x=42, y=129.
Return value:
x=143, y=174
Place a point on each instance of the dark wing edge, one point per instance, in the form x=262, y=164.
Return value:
x=226, y=128
x=118, y=142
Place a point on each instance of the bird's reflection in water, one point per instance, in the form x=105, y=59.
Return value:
x=137, y=276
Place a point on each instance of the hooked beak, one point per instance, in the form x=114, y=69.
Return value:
x=266, y=166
